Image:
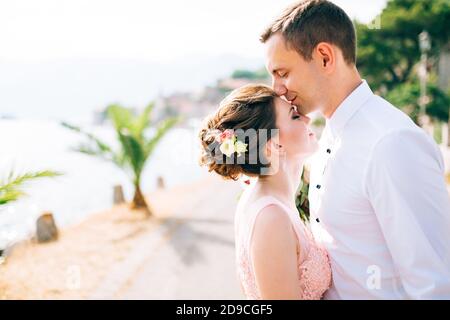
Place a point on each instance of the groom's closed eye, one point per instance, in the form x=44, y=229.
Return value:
x=281, y=73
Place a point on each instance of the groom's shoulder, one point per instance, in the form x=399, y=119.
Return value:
x=378, y=118
x=382, y=124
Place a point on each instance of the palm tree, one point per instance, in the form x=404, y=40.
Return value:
x=135, y=148
x=10, y=188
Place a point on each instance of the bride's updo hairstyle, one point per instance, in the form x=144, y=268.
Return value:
x=249, y=114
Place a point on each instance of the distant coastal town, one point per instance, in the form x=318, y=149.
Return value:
x=197, y=104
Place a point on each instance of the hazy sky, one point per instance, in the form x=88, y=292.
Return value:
x=63, y=59
x=32, y=30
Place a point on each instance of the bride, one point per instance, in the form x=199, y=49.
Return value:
x=255, y=133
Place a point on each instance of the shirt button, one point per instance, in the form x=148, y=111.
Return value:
x=318, y=186
x=318, y=220
x=328, y=151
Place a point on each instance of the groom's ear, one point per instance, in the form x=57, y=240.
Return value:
x=326, y=55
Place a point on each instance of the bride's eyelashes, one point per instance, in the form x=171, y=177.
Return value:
x=295, y=114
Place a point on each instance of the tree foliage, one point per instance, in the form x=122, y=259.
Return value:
x=11, y=188
x=388, y=55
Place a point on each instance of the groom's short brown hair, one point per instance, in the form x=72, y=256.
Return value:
x=307, y=23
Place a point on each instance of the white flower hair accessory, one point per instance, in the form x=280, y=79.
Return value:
x=229, y=143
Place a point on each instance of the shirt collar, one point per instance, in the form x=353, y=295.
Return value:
x=348, y=108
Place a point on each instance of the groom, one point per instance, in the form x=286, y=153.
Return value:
x=378, y=198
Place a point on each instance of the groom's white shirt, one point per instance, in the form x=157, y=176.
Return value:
x=379, y=203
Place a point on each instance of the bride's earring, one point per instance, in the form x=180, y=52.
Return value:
x=281, y=151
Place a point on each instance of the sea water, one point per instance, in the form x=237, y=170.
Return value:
x=87, y=184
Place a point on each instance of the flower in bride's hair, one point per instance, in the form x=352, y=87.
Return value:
x=227, y=134
x=227, y=147
x=240, y=147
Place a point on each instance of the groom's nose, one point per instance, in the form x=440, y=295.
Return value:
x=279, y=88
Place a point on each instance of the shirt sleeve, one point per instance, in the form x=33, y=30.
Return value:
x=406, y=186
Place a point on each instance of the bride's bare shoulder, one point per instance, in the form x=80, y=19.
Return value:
x=273, y=216
x=273, y=228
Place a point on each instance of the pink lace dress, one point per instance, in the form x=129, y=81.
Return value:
x=314, y=272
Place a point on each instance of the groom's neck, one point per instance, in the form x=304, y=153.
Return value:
x=340, y=88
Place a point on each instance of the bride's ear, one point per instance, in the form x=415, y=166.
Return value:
x=274, y=148
x=274, y=153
